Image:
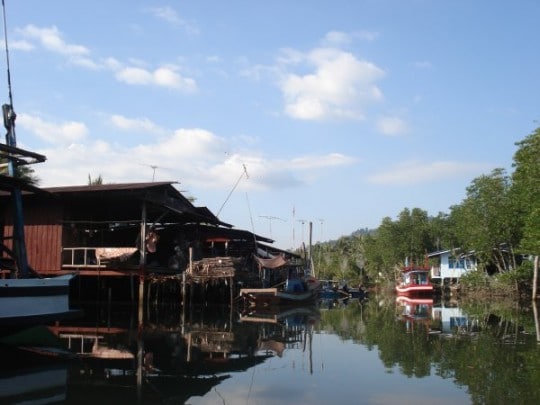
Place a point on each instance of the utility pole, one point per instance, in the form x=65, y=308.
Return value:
x=303, y=222
x=321, y=221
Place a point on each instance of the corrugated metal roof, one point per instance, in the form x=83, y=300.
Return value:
x=199, y=213
x=110, y=187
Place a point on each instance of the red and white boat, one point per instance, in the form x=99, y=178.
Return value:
x=414, y=280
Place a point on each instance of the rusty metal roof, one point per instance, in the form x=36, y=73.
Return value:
x=111, y=187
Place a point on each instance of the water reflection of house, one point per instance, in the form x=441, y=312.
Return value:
x=179, y=360
x=282, y=328
x=452, y=320
x=96, y=231
x=451, y=265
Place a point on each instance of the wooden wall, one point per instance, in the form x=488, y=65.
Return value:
x=43, y=235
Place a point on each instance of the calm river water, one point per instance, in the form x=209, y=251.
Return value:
x=376, y=351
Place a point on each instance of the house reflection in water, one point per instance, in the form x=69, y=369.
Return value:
x=174, y=361
x=439, y=317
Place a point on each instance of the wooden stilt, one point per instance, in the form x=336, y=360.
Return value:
x=231, y=291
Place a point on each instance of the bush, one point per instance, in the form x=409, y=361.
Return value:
x=474, y=280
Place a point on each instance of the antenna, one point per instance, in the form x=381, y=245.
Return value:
x=7, y=109
x=9, y=123
x=153, y=167
x=244, y=173
x=270, y=218
x=7, y=54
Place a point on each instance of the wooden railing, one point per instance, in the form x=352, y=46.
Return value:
x=74, y=257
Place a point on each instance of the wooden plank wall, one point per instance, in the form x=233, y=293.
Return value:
x=43, y=233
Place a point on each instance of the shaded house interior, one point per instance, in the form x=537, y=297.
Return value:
x=99, y=228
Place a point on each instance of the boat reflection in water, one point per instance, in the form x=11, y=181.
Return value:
x=34, y=367
x=284, y=328
x=438, y=317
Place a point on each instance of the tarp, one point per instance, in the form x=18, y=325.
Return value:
x=273, y=263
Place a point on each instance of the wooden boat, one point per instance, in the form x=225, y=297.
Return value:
x=298, y=288
x=342, y=293
x=293, y=291
x=33, y=301
x=414, y=280
x=27, y=377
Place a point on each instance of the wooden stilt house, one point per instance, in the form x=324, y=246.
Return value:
x=99, y=228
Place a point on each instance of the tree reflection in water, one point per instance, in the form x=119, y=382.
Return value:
x=487, y=352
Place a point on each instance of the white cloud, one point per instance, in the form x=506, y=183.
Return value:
x=345, y=38
x=317, y=162
x=169, y=14
x=336, y=38
x=136, y=124
x=165, y=76
x=339, y=85
x=391, y=125
x=66, y=132
x=20, y=45
x=196, y=157
x=51, y=39
x=418, y=172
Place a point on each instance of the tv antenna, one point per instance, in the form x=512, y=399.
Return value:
x=270, y=218
x=153, y=167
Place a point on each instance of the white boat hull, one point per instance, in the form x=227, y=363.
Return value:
x=34, y=301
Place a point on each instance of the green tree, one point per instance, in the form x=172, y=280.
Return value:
x=526, y=194
x=486, y=221
x=24, y=172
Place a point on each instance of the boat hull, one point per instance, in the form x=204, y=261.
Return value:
x=34, y=301
x=414, y=289
x=272, y=296
x=276, y=296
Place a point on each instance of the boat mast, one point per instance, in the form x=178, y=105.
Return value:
x=9, y=116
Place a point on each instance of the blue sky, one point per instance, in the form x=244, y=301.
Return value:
x=344, y=111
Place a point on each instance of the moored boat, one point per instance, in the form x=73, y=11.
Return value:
x=32, y=301
x=298, y=288
x=293, y=291
x=414, y=280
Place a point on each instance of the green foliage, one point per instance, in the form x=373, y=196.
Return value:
x=23, y=172
x=530, y=242
x=521, y=275
x=474, y=280
x=486, y=221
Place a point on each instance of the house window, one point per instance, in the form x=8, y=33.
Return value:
x=454, y=263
